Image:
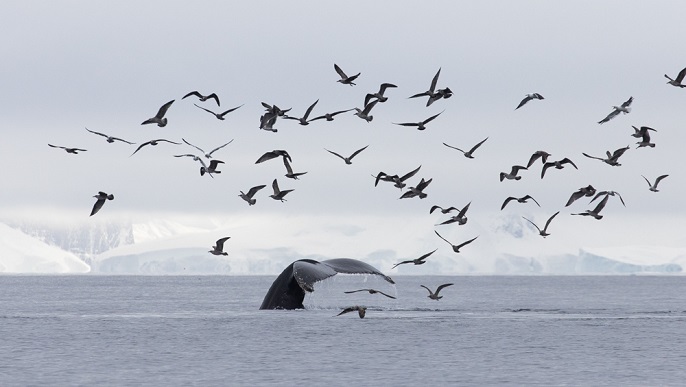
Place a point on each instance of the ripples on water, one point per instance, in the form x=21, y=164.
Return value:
x=93, y=330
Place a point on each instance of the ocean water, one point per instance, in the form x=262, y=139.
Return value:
x=207, y=330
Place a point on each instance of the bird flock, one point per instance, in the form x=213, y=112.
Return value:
x=420, y=190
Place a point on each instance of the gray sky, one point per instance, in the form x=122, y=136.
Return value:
x=109, y=66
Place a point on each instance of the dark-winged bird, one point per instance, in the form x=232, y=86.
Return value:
x=513, y=173
x=679, y=78
x=468, y=154
x=361, y=310
x=220, y=116
x=612, y=158
x=73, y=151
x=589, y=190
x=380, y=94
x=218, y=248
x=653, y=186
x=523, y=199
x=203, y=98
x=153, y=143
x=273, y=154
x=110, y=139
x=418, y=190
x=624, y=108
x=544, y=233
x=432, y=93
x=543, y=155
x=303, y=120
x=211, y=169
x=289, y=170
x=346, y=80
x=101, y=198
x=159, y=118
x=208, y=154
x=278, y=194
x=395, y=179
x=416, y=261
x=370, y=291
x=248, y=197
x=596, y=211
x=528, y=98
x=434, y=295
x=421, y=125
x=330, y=116
x=456, y=248
x=348, y=160
x=559, y=164
x=364, y=113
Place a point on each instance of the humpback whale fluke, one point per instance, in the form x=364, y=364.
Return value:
x=288, y=290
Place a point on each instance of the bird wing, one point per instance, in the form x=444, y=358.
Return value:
x=254, y=190
x=429, y=290
x=463, y=211
x=410, y=174
x=576, y=195
x=601, y=205
x=475, y=147
x=450, y=146
x=163, y=109
x=657, y=181
x=609, y=116
x=267, y=156
x=616, y=154
x=384, y=86
x=681, y=75
x=434, y=81
x=539, y=230
x=220, y=243
x=592, y=157
x=628, y=102
x=357, y=152
x=355, y=291
x=466, y=243
x=347, y=310
x=334, y=153
x=207, y=110
x=402, y=263
x=439, y=235
x=339, y=71
x=647, y=181
x=171, y=142
x=195, y=93
x=438, y=289
x=368, y=108
x=139, y=147
x=275, y=187
x=568, y=161
x=98, y=205
x=531, y=197
x=509, y=199
x=425, y=256
x=214, y=96
x=387, y=295
x=213, y=163
x=309, y=110
x=57, y=146
x=194, y=146
x=426, y=121
x=549, y=220
x=226, y=112
x=423, y=184
x=98, y=133
x=289, y=169
x=220, y=147
x=407, y=124
x=524, y=101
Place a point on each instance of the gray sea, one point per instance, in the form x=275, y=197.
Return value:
x=207, y=331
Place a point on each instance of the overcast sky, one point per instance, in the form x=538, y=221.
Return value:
x=109, y=66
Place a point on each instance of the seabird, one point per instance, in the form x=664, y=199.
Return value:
x=468, y=154
x=102, y=197
x=612, y=158
x=371, y=291
x=523, y=199
x=278, y=194
x=443, y=210
x=624, y=108
x=596, y=211
x=528, y=98
x=248, y=196
x=417, y=191
x=416, y=261
x=679, y=78
x=420, y=125
x=220, y=116
x=346, y=80
x=543, y=155
x=208, y=154
x=203, y=98
x=364, y=113
x=159, y=118
x=361, y=310
x=559, y=164
x=544, y=233
x=380, y=94
x=460, y=218
x=211, y=169
x=267, y=122
x=74, y=151
x=645, y=138
x=432, y=93
x=348, y=160
x=456, y=248
x=330, y=116
x=513, y=173
x=110, y=139
x=218, y=249
x=653, y=187
x=435, y=296
x=638, y=132
x=589, y=190
x=303, y=120
x=289, y=170
x=153, y=143
x=398, y=181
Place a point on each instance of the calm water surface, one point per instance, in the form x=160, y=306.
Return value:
x=203, y=331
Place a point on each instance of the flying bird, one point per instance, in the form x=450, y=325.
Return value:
x=433, y=94
x=638, y=132
x=460, y=218
x=159, y=118
x=195, y=157
x=289, y=170
x=370, y=291
x=523, y=199
x=543, y=155
x=596, y=211
x=416, y=261
x=364, y=113
x=456, y=248
x=528, y=98
x=513, y=173
x=468, y=154
x=220, y=116
x=203, y=98
x=559, y=164
x=544, y=233
x=624, y=108
x=417, y=191
x=348, y=160
x=361, y=310
x=435, y=296
x=612, y=158
x=443, y=210
x=102, y=197
x=211, y=169
x=153, y=143
x=330, y=116
x=248, y=197
x=207, y=154
x=274, y=154
x=346, y=80
x=218, y=248
x=608, y=193
x=110, y=139
x=679, y=78
x=380, y=94
x=588, y=190
x=398, y=182
x=421, y=125
x=73, y=151
x=303, y=120
x=278, y=194
x=653, y=186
